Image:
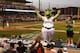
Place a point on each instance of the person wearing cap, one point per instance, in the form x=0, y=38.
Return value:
x=48, y=26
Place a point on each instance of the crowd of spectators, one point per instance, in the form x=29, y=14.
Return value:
x=19, y=17
x=9, y=45
x=16, y=16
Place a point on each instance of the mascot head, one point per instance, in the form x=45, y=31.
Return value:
x=48, y=13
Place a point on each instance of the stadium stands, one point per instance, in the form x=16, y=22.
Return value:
x=16, y=11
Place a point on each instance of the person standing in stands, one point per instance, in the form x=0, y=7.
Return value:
x=69, y=30
x=48, y=26
x=37, y=46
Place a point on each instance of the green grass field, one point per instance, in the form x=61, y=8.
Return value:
x=60, y=25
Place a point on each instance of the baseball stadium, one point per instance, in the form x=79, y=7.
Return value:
x=20, y=24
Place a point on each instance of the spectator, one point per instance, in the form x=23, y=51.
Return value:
x=21, y=48
x=19, y=37
x=69, y=31
x=11, y=49
x=6, y=45
x=40, y=48
x=13, y=39
x=3, y=39
x=37, y=46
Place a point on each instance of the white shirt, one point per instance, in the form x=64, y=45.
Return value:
x=48, y=22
